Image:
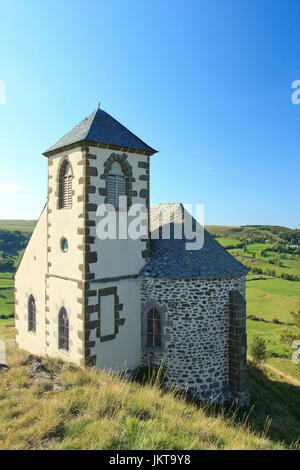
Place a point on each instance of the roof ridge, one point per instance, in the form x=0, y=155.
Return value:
x=100, y=127
x=120, y=124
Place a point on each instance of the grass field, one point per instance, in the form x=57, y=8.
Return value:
x=21, y=225
x=284, y=366
x=227, y=241
x=7, y=329
x=102, y=411
x=6, y=293
x=14, y=252
x=223, y=229
x=244, y=232
x=271, y=333
x=272, y=298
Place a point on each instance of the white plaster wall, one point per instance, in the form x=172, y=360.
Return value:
x=116, y=257
x=65, y=222
x=30, y=280
x=63, y=293
x=124, y=351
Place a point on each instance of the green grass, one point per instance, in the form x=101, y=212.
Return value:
x=223, y=230
x=227, y=241
x=272, y=298
x=292, y=265
x=6, y=293
x=21, y=225
x=6, y=301
x=285, y=366
x=6, y=274
x=277, y=286
x=247, y=232
x=7, y=329
x=271, y=333
x=255, y=248
x=276, y=399
x=6, y=282
x=102, y=411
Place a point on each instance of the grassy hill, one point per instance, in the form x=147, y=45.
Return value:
x=272, y=233
x=14, y=236
x=103, y=411
x=20, y=225
x=272, y=253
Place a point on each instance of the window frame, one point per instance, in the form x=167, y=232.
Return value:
x=65, y=190
x=31, y=314
x=63, y=330
x=116, y=186
x=162, y=309
x=153, y=333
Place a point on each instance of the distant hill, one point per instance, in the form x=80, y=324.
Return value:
x=14, y=237
x=257, y=233
x=15, y=224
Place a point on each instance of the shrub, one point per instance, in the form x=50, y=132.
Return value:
x=296, y=314
x=287, y=337
x=258, y=350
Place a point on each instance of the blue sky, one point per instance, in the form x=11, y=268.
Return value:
x=206, y=82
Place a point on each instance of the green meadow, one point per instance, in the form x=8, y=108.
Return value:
x=20, y=225
x=136, y=416
x=227, y=241
x=269, y=297
x=14, y=235
x=272, y=298
x=98, y=410
x=271, y=332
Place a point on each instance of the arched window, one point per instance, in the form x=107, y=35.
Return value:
x=65, y=186
x=153, y=329
x=31, y=314
x=63, y=329
x=116, y=184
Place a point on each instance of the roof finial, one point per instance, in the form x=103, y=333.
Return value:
x=98, y=105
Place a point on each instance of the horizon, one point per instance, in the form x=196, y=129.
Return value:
x=209, y=86
x=205, y=225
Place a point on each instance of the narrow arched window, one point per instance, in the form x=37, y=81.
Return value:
x=65, y=186
x=116, y=184
x=63, y=329
x=153, y=329
x=31, y=314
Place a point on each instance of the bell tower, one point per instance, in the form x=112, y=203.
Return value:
x=95, y=279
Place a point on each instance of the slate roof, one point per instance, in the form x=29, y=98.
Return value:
x=169, y=258
x=100, y=127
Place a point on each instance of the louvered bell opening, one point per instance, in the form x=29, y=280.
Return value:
x=69, y=198
x=116, y=187
x=67, y=189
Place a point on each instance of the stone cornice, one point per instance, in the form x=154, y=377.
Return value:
x=99, y=145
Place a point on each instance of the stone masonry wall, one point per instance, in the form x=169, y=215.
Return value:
x=195, y=325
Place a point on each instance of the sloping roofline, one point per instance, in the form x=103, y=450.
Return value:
x=99, y=129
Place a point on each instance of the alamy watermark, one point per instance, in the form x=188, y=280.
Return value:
x=175, y=223
x=2, y=92
x=296, y=94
